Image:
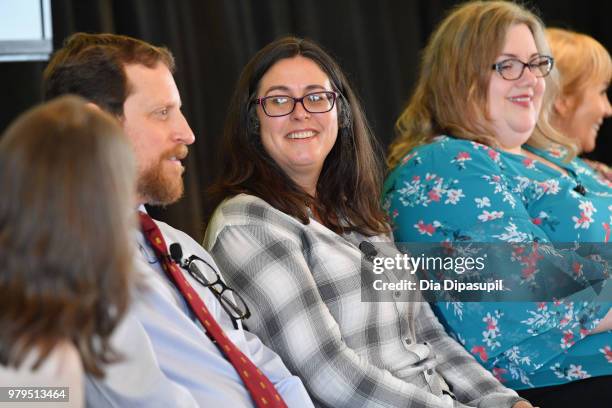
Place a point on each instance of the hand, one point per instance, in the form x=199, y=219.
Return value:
x=605, y=324
x=523, y=404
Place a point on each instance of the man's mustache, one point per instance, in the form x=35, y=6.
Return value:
x=180, y=152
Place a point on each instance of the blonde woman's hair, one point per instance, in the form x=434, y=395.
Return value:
x=580, y=60
x=451, y=94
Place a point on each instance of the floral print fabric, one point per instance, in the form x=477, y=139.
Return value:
x=458, y=190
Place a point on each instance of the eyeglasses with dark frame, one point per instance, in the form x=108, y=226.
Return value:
x=207, y=276
x=282, y=105
x=512, y=69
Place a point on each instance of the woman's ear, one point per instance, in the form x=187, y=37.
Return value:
x=563, y=105
x=344, y=114
x=253, y=122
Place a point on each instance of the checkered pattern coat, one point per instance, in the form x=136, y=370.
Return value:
x=302, y=283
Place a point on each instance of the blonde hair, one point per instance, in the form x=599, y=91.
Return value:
x=451, y=94
x=580, y=59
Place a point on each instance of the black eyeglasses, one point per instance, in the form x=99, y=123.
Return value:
x=233, y=304
x=281, y=105
x=512, y=69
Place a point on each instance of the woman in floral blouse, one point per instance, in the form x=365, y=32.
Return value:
x=476, y=159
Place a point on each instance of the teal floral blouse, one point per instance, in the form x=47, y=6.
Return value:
x=457, y=188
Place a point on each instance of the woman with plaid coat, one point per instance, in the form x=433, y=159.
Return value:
x=298, y=197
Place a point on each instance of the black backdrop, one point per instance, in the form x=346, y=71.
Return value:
x=377, y=42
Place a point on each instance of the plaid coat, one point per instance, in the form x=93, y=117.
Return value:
x=302, y=283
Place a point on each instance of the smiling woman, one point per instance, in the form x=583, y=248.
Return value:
x=299, y=196
x=300, y=139
x=515, y=95
x=476, y=140
x=582, y=103
x=297, y=137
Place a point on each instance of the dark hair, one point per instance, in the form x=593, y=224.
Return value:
x=349, y=186
x=92, y=66
x=67, y=177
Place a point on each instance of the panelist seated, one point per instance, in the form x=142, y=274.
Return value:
x=182, y=337
x=297, y=200
x=476, y=160
x=585, y=72
x=67, y=182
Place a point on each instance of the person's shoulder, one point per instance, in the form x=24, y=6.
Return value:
x=448, y=155
x=68, y=361
x=243, y=203
x=61, y=366
x=246, y=209
x=554, y=152
x=188, y=244
x=174, y=234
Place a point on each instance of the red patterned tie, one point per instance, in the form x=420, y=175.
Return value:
x=262, y=390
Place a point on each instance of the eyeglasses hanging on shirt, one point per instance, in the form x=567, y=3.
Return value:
x=203, y=272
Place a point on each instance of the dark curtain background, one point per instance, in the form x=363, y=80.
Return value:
x=376, y=42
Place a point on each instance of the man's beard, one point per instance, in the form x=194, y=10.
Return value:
x=159, y=187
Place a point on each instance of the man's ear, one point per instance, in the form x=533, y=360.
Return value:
x=96, y=108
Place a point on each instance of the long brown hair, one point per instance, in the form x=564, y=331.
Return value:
x=451, y=94
x=348, y=189
x=67, y=179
